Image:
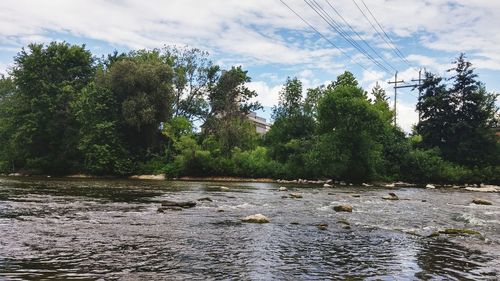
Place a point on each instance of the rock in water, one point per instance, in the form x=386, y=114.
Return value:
x=391, y=196
x=282, y=188
x=343, y=208
x=480, y=201
x=208, y=199
x=224, y=188
x=295, y=195
x=327, y=185
x=322, y=226
x=148, y=177
x=430, y=186
x=186, y=204
x=257, y=218
x=169, y=208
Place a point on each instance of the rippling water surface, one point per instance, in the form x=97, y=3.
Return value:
x=107, y=229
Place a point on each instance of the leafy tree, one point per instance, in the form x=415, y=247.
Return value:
x=7, y=126
x=459, y=120
x=48, y=79
x=194, y=74
x=230, y=103
x=142, y=84
x=345, y=79
x=290, y=136
x=100, y=143
x=349, y=126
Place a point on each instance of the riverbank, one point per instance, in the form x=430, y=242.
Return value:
x=316, y=183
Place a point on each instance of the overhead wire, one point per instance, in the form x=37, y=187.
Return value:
x=334, y=24
x=380, y=35
x=402, y=56
x=359, y=36
x=324, y=37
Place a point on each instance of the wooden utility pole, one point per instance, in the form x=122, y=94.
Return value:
x=396, y=82
x=419, y=80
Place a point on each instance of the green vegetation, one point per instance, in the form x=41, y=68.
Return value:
x=173, y=111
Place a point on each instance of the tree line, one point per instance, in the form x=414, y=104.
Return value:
x=173, y=111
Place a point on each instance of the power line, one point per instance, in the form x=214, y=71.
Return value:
x=324, y=37
x=378, y=32
x=386, y=35
x=332, y=23
x=359, y=36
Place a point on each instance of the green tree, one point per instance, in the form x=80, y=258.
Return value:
x=7, y=123
x=100, y=143
x=194, y=73
x=459, y=120
x=230, y=103
x=290, y=135
x=142, y=84
x=380, y=102
x=48, y=79
x=349, y=127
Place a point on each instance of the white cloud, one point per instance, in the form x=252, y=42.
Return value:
x=406, y=116
x=267, y=95
x=251, y=30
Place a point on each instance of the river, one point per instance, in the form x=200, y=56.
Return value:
x=111, y=230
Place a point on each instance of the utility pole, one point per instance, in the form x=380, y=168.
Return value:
x=419, y=80
x=395, y=82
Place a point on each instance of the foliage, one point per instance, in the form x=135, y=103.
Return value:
x=47, y=79
x=173, y=111
x=459, y=120
x=100, y=143
x=349, y=127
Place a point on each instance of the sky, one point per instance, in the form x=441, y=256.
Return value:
x=266, y=38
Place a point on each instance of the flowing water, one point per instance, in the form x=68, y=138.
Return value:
x=111, y=230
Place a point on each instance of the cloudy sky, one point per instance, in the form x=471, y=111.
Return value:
x=272, y=42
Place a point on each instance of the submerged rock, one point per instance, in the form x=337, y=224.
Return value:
x=343, y=208
x=480, y=201
x=391, y=196
x=295, y=195
x=208, y=199
x=257, y=218
x=181, y=204
x=282, y=188
x=169, y=208
x=455, y=231
x=295, y=222
x=220, y=211
x=356, y=195
x=323, y=226
x=344, y=222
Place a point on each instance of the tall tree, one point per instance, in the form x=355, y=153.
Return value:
x=48, y=79
x=459, y=120
x=142, y=84
x=293, y=127
x=230, y=103
x=194, y=73
x=380, y=102
x=349, y=126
